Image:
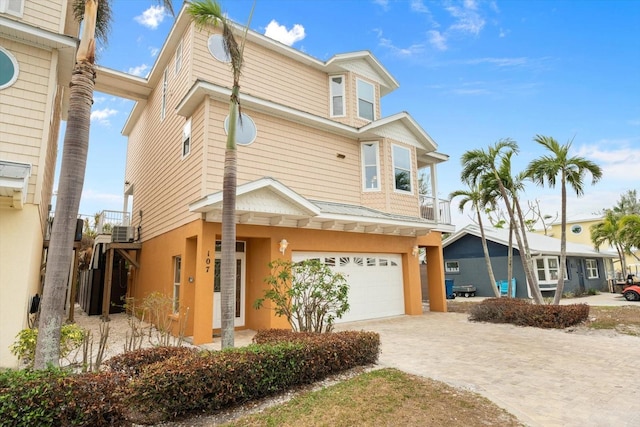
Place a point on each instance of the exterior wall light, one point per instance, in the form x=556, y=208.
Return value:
x=283, y=246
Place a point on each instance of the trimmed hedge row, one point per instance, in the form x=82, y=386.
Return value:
x=523, y=313
x=58, y=398
x=151, y=385
x=212, y=380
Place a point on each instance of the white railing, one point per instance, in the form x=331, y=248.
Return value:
x=109, y=219
x=427, y=211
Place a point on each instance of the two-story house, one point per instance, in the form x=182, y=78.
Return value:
x=320, y=175
x=37, y=53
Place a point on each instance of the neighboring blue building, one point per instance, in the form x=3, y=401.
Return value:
x=464, y=262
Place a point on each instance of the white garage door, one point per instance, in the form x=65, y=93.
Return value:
x=375, y=282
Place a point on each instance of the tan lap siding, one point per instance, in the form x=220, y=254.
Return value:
x=46, y=14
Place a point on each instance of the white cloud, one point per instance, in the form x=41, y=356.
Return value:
x=382, y=3
x=437, y=40
x=398, y=51
x=152, y=17
x=500, y=62
x=102, y=116
x=140, y=70
x=467, y=18
x=280, y=33
x=615, y=157
x=154, y=51
x=419, y=6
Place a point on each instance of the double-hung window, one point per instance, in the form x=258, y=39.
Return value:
x=370, y=166
x=366, y=100
x=186, y=138
x=336, y=85
x=402, y=169
x=592, y=269
x=12, y=7
x=547, y=270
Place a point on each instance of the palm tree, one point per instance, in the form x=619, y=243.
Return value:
x=95, y=15
x=208, y=13
x=475, y=197
x=608, y=231
x=630, y=230
x=570, y=170
x=479, y=163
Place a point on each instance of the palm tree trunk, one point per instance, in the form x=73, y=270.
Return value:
x=487, y=258
x=228, y=256
x=510, y=257
x=526, y=264
x=563, y=243
x=533, y=284
x=74, y=161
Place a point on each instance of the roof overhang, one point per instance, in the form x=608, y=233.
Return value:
x=121, y=84
x=14, y=181
x=268, y=202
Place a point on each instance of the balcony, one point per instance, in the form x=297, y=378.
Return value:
x=428, y=211
x=107, y=220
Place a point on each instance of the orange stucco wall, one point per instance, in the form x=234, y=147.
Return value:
x=195, y=243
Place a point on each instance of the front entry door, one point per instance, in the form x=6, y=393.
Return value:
x=240, y=291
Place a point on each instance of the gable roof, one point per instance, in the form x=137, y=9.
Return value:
x=538, y=243
x=267, y=201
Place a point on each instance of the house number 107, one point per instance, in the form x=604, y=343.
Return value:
x=207, y=261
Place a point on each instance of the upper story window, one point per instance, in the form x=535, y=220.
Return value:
x=370, y=166
x=366, y=100
x=186, y=138
x=336, y=84
x=12, y=7
x=178, y=58
x=163, y=107
x=8, y=68
x=402, y=169
x=576, y=229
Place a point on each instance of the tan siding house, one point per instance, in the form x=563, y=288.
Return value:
x=320, y=175
x=37, y=39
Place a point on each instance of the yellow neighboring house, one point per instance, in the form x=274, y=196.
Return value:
x=37, y=53
x=320, y=175
x=578, y=231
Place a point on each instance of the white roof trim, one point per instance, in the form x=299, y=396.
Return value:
x=539, y=245
x=14, y=181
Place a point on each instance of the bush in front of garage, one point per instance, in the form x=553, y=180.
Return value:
x=522, y=312
x=308, y=293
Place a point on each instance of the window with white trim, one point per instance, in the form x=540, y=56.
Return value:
x=592, y=269
x=370, y=166
x=451, y=267
x=401, y=169
x=336, y=87
x=178, y=58
x=163, y=107
x=366, y=100
x=12, y=7
x=186, y=139
x=177, y=267
x=9, y=68
x=547, y=269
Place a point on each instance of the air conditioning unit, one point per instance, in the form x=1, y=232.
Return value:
x=121, y=234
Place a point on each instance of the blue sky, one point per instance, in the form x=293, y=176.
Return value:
x=470, y=72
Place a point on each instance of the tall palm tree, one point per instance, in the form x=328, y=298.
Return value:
x=570, y=170
x=474, y=196
x=95, y=15
x=479, y=163
x=207, y=13
x=608, y=232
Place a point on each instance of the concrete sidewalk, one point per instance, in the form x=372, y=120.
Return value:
x=544, y=377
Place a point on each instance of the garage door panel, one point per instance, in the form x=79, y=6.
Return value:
x=375, y=282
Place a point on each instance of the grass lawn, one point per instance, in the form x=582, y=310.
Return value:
x=386, y=397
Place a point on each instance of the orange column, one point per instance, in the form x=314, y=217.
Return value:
x=435, y=275
x=203, y=284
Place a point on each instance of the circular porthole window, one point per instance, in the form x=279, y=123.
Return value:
x=8, y=68
x=576, y=229
x=246, y=131
x=216, y=48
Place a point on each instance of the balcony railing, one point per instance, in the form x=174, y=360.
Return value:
x=109, y=219
x=427, y=209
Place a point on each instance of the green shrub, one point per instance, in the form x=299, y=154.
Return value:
x=209, y=381
x=308, y=293
x=55, y=397
x=71, y=337
x=523, y=313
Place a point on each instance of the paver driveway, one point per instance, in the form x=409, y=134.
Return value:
x=544, y=377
